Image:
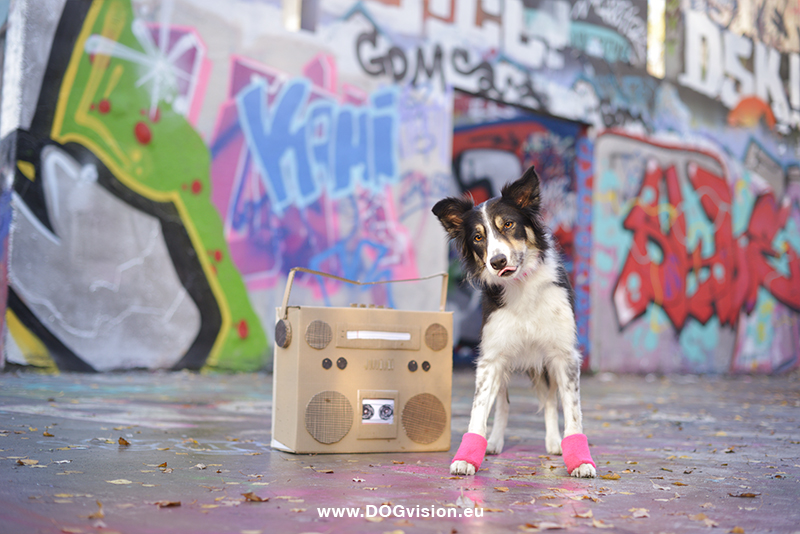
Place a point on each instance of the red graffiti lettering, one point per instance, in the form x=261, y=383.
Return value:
x=659, y=269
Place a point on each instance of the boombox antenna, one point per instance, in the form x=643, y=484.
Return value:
x=284, y=313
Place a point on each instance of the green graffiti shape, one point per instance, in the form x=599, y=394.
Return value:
x=116, y=100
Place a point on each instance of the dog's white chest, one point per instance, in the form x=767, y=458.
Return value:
x=535, y=317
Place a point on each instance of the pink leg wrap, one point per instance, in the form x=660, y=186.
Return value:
x=471, y=450
x=575, y=449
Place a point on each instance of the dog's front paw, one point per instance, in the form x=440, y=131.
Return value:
x=584, y=471
x=495, y=447
x=460, y=467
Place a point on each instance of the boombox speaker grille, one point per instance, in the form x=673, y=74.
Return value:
x=436, y=337
x=318, y=334
x=329, y=416
x=424, y=418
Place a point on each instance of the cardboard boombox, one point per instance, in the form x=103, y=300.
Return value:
x=363, y=378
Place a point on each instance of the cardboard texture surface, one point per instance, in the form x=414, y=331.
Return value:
x=361, y=379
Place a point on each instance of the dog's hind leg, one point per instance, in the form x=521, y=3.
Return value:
x=546, y=389
x=497, y=437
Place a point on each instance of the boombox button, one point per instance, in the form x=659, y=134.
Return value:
x=327, y=363
x=426, y=366
x=341, y=363
x=412, y=365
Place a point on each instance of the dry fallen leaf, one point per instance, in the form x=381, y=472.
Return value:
x=167, y=504
x=585, y=515
x=119, y=481
x=610, y=476
x=99, y=513
x=47, y=434
x=545, y=525
x=252, y=497
x=747, y=494
x=26, y=461
x=640, y=513
x=501, y=489
x=124, y=442
x=597, y=523
x=737, y=530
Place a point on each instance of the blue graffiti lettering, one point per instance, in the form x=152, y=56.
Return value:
x=303, y=148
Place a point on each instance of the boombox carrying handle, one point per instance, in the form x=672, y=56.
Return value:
x=285, y=310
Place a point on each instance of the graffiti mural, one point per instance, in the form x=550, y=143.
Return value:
x=304, y=174
x=121, y=260
x=171, y=162
x=693, y=253
x=753, y=79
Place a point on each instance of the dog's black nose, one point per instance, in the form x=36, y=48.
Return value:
x=498, y=262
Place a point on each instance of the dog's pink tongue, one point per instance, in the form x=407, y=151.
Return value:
x=508, y=270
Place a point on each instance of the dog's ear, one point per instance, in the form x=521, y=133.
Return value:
x=525, y=191
x=451, y=211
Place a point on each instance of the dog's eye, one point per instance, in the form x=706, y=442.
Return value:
x=478, y=238
x=508, y=225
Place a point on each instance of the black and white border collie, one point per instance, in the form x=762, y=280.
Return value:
x=528, y=312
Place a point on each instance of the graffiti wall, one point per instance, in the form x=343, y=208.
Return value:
x=169, y=161
x=695, y=258
x=170, y=170
x=119, y=259
x=696, y=223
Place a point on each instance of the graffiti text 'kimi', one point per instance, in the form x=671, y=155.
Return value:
x=303, y=145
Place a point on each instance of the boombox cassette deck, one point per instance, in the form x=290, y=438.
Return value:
x=361, y=379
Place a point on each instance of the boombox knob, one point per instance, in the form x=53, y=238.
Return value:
x=283, y=333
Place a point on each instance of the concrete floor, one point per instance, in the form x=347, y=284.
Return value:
x=678, y=454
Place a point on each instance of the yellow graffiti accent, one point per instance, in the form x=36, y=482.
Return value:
x=658, y=294
x=656, y=326
x=32, y=348
x=113, y=24
x=27, y=169
x=113, y=80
